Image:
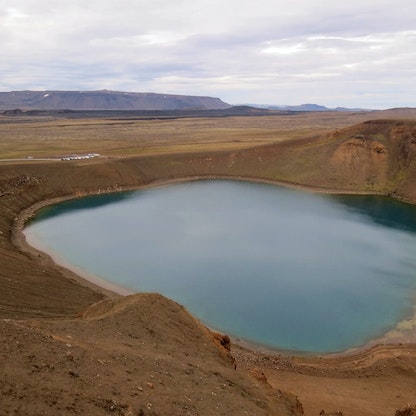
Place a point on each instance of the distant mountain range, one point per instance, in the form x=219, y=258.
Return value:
x=305, y=107
x=122, y=101
x=105, y=100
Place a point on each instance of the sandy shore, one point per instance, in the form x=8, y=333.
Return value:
x=403, y=333
x=71, y=347
x=374, y=379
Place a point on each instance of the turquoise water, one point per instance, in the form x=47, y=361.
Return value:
x=283, y=268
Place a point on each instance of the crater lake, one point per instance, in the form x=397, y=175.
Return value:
x=283, y=268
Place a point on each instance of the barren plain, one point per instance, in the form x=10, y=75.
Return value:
x=70, y=347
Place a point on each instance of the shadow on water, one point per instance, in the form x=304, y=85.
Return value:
x=284, y=268
x=384, y=211
x=83, y=203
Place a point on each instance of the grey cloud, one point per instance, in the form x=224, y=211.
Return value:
x=269, y=51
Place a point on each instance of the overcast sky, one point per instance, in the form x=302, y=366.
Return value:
x=355, y=53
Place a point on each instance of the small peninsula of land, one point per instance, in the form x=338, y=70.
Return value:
x=72, y=347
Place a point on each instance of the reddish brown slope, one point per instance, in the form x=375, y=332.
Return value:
x=140, y=355
x=376, y=156
x=49, y=364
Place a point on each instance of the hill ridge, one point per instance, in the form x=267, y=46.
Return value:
x=105, y=100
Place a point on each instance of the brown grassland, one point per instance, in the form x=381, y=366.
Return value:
x=70, y=347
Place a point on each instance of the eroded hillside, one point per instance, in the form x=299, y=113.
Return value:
x=140, y=355
x=375, y=156
x=145, y=355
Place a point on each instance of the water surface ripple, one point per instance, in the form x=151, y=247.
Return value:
x=284, y=268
